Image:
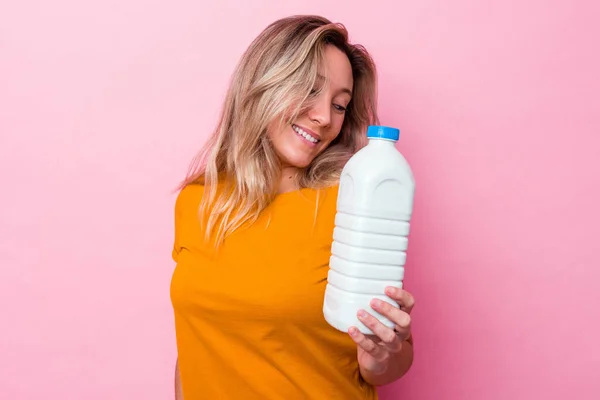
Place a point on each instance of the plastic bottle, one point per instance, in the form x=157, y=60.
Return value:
x=370, y=239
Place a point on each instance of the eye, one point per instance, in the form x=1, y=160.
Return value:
x=339, y=108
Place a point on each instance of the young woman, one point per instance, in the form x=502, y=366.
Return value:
x=254, y=225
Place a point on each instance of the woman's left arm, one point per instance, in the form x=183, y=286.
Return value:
x=388, y=354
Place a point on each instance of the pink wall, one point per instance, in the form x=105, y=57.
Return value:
x=102, y=105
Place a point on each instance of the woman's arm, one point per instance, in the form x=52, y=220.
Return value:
x=178, y=391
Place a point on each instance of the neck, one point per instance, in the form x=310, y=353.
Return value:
x=382, y=142
x=289, y=179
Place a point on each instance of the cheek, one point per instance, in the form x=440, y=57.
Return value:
x=339, y=121
x=336, y=125
x=331, y=138
x=274, y=131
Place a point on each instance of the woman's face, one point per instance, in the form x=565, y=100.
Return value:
x=299, y=143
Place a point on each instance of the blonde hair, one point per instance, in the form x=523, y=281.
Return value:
x=274, y=82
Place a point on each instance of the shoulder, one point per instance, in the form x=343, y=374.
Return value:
x=332, y=191
x=328, y=196
x=324, y=199
x=190, y=194
x=188, y=201
x=323, y=196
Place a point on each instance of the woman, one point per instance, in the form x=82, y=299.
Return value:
x=254, y=224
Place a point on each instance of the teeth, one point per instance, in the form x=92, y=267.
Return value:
x=305, y=135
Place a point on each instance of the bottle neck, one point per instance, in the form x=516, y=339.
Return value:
x=382, y=142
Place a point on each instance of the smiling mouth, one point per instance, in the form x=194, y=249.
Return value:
x=305, y=135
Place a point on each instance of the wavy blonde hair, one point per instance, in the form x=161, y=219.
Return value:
x=274, y=82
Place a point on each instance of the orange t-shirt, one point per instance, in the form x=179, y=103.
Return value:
x=249, y=318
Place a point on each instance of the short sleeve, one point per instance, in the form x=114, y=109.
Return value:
x=176, y=228
x=185, y=218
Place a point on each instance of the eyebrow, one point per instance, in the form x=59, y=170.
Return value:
x=343, y=90
x=346, y=90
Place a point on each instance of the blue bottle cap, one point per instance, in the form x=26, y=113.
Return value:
x=383, y=132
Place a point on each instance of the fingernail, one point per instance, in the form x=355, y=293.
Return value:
x=376, y=303
x=362, y=314
x=391, y=291
x=353, y=331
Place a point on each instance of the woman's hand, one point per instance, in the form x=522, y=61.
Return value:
x=376, y=353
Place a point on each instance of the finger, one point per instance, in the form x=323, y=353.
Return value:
x=368, y=345
x=389, y=338
x=404, y=299
x=401, y=318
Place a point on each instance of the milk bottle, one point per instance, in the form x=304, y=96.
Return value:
x=374, y=207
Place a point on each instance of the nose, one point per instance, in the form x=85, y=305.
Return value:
x=320, y=112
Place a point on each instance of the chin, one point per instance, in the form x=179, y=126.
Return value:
x=298, y=162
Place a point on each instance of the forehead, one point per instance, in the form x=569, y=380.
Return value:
x=336, y=68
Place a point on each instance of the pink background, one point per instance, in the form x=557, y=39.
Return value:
x=103, y=104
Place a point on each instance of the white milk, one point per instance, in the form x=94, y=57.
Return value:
x=370, y=239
